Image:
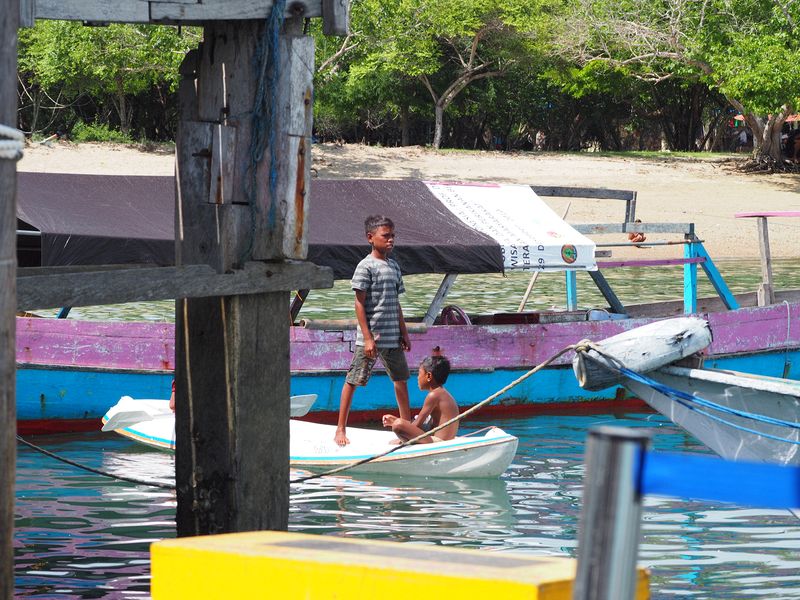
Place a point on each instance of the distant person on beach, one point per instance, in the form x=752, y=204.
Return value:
x=439, y=406
x=382, y=332
x=637, y=236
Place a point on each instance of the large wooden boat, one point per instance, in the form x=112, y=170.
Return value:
x=70, y=371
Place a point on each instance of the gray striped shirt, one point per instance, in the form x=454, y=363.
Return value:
x=383, y=283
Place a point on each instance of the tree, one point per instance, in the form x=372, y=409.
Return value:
x=749, y=51
x=113, y=62
x=444, y=45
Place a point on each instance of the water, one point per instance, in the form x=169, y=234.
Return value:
x=497, y=293
x=80, y=535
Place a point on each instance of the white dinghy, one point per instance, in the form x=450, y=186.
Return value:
x=487, y=455
x=152, y=422
x=482, y=454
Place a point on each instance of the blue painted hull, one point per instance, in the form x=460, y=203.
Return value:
x=53, y=399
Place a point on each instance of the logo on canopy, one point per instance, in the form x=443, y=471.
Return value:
x=569, y=253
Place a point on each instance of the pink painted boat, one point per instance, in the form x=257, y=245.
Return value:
x=70, y=371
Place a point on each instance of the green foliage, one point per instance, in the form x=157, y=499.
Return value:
x=97, y=132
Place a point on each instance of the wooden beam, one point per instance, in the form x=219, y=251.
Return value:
x=766, y=294
x=579, y=192
x=293, y=146
x=598, y=228
x=336, y=17
x=26, y=13
x=226, y=10
x=438, y=299
x=172, y=11
x=232, y=352
x=9, y=18
x=165, y=283
x=130, y=11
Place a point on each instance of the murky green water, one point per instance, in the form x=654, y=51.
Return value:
x=498, y=293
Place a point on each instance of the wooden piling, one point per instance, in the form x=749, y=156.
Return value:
x=9, y=19
x=235, y=205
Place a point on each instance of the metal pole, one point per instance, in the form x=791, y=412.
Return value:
x=611, y=514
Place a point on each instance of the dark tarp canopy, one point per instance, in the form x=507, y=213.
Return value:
x=112, y=219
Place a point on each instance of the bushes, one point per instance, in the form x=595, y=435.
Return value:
x=97, y=132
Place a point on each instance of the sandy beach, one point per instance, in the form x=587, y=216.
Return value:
x=706, y=192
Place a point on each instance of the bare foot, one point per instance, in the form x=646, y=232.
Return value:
x=341, y=438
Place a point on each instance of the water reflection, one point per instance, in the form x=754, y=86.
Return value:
x=470, y=512
x=79, y=535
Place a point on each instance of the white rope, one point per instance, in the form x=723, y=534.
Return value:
x=11, y=147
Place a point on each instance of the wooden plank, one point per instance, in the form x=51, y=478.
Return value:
x=652, y=262
x=227, y=10
x=26, y=13
x=598, y=228
x=130, y=11
x=439, y=298
x=766, y=294
x=771, y=213
x=166, y=283
x=336, y=17
x=608, y=293
x=579, y=192
x=223, y=158
x=9, y=17
x=294, y=121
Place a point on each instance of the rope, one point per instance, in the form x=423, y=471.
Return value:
x=441, y=426
x=11, y=147
x=688, y=401
x=164, y=486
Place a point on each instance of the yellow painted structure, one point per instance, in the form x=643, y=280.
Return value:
x=269, y=564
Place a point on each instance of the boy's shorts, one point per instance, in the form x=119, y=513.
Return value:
x=394, y=359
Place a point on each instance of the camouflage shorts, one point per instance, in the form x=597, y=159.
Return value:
x=393, y=359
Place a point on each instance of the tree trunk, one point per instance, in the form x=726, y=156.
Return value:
x=404, y=126
x=438, y=126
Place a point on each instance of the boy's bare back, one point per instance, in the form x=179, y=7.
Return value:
x=443, y=407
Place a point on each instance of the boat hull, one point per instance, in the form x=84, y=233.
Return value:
x=70, y=371
x=312, y=447
x=732, y=436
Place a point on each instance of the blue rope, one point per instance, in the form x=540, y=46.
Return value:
x=688, y=400
x=266, y=63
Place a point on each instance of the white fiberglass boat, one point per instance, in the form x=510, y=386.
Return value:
x=487, y=453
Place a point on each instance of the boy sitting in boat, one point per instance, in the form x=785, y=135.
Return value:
x=439, y=405
x=382, y=332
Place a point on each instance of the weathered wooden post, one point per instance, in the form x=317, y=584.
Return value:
x=611, y=515
x=243, y=167
x=9, y=20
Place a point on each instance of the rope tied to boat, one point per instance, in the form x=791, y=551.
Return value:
x=165, y=486
x=441, y=426
x=12, y=142
x=691, y=402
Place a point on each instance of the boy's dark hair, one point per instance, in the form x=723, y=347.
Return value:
x=372, y=222
x=437, y=365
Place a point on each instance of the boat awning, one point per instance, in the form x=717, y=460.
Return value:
x=441, y=227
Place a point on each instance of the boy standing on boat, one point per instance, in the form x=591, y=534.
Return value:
x=439, y=405
x=382, y=332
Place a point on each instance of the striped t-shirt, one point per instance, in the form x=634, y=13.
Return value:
x=383, y=283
